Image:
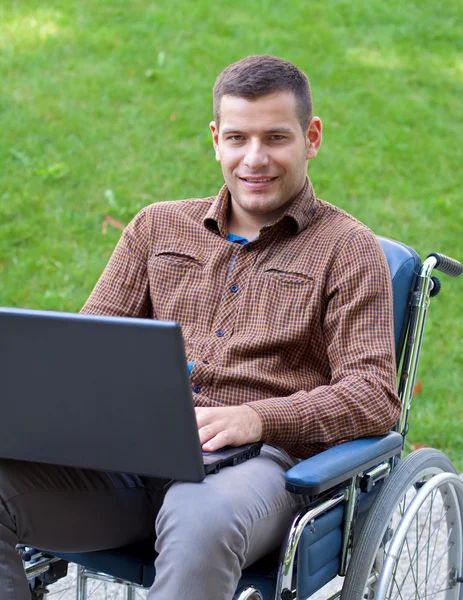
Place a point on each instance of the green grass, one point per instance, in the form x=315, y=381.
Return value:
x=117, y=96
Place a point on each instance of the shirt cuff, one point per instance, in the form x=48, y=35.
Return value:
x=280, y=421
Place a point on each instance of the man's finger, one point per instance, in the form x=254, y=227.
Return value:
x=207, y=432
x=222, y=439
x=203, y=415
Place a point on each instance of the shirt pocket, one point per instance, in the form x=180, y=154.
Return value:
x=291, y=279
x=177, y=260
x=281, y=298
x=176, y=277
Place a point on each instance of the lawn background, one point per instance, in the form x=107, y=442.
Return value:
x=104, y=108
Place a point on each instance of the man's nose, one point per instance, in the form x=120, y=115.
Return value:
x=256, y=156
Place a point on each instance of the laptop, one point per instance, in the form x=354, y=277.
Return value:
x=103, y=393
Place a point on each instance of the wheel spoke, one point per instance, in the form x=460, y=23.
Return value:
x=61, y=592
x=424, y=580
x=402, y=511
x=440, y=590
x=427, y=553
x=98, y=586
x=448, y=546
x=442, y=540
x=417, y=554
x=395, y=571
x=410, y=568
x=442, y=515
x=116, y=593
x=424, y=570
x=399, y=591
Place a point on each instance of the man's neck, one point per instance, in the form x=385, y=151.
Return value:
x=246, y=230
x=248, y=225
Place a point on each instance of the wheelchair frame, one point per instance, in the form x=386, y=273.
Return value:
x=366, y=470
x=350, y=495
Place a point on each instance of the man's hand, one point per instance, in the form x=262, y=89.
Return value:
x=227, y=426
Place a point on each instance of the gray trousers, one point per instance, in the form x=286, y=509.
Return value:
x=206, y=533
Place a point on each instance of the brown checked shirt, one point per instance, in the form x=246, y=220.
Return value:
x=296, y=323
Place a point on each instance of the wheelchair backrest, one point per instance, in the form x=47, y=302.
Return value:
x=404, y=265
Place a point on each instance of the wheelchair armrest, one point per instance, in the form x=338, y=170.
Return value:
x=323, y=471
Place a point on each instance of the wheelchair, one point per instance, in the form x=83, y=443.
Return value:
x=375, y=524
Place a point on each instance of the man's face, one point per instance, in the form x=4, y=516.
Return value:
x=263, y=152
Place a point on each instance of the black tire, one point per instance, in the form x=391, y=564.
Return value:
x=415, y=468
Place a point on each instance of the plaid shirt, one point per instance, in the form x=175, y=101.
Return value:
x=296, y=323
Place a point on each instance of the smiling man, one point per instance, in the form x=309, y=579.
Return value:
x=285, y=306
x=263, y=148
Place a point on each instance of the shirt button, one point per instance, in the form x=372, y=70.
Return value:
x=220, y=333
x=196, y=389
x=234, y=288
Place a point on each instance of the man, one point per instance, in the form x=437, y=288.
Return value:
x=285, y=307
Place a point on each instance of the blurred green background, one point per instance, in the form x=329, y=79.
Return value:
x=104, y=108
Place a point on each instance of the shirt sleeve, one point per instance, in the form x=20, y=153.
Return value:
x=361, y=398
x=123, y=288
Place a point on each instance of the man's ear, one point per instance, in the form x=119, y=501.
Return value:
x=313, y=137
x=215, y=139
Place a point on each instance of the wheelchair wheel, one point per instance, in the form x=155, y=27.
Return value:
x=105, y=588
x=80, y=585
x=431, y=555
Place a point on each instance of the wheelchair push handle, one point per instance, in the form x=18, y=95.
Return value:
x=447, y=265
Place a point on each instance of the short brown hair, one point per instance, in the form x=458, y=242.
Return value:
x=256, y=76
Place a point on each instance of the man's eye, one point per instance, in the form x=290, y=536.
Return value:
x=277, y=138
x=236, y=138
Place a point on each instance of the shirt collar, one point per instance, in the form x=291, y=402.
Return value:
x=216, y=216
x=299, y=213
x=303, y=207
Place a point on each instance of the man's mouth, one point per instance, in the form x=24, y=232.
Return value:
x=258, y=179
x=257, y=183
